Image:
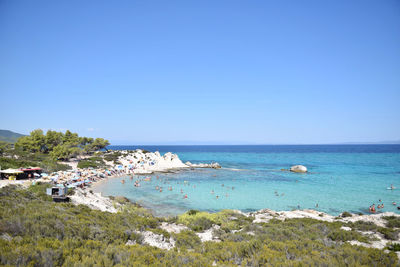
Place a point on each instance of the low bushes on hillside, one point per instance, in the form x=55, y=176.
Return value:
x=35, y=231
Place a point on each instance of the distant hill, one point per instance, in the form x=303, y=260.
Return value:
x=9, y=136
x=395, y=142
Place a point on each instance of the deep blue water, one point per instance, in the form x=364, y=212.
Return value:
x=341, y=178
x=269, y=148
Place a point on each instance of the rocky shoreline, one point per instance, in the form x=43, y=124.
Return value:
x=137, y=162
x=140, y=162
x=97, y=201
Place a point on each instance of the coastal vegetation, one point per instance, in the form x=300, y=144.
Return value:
x=92, y=162
x=47, y=150
x=14, y=159
x=34, y=231
x=59, y=145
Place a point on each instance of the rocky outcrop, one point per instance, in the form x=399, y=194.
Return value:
x=173, y=228
x=263, y=216
x=208, y=235
x=298, y=168
x=149, y=162
x=92, y=200
x=154, y=240
x=213, y=165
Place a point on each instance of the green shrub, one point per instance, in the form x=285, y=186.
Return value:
x=187, y=239
x=346, y=214
x=200, y=220
x=121, y=200
x=389, y=233
x=137, y=237
x=392, y=221
x=45, y=162
x=159, y=231
x=87, y=164
x=394, y=247
x=342, y=235
x=70, y=191
x=11, y=163
x=192, y=212
x=112, y=156
x=364, y=226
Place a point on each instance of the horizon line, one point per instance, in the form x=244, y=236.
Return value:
x=283, y=144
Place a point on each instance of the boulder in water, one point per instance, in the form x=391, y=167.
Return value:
x=298, y=168
x=215, y=165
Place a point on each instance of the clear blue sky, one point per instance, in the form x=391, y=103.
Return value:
x=156, y=72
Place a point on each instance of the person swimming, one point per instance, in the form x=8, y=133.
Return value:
x=372, y=208
x=185, y=196
x=394, y=203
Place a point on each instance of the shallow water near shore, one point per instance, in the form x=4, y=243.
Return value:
x=341, y=178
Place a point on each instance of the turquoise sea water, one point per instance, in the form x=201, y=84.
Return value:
x=341, y=178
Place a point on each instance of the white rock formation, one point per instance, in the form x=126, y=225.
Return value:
x=145, y=163
x=214, y=165
x=155, y=240
x=298, y=168
x=266, y=214
x=207, y=235
x=149, y=162
x=374, y=218
x=173, y=228
x=92, y=200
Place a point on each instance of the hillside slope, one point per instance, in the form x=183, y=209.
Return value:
x=9, y=136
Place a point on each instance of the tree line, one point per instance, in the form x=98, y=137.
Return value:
x=59, y=145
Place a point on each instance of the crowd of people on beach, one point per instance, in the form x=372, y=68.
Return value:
x=84, y=177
